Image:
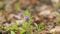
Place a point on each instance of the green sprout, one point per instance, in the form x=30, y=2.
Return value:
x=39, y=27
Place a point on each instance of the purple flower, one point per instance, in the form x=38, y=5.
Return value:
x=20, y=15
x=26, y=17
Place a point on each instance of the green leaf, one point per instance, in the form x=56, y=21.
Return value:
x=12, y=32
x=41, y=26
x=22, y=30
x=36, y=25
x=14, y=27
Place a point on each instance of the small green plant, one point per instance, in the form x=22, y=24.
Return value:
x=22, y=30
x=14, y=27
x=39, y=27
x=27, y=27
